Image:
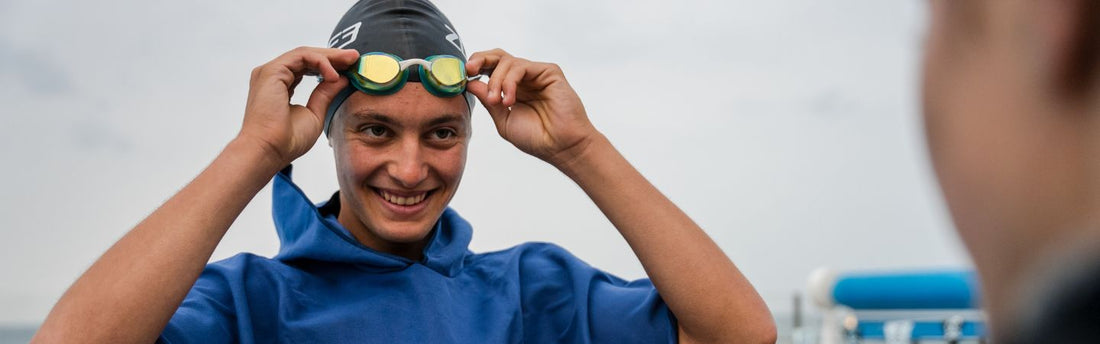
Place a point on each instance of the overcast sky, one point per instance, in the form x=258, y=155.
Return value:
x=789, y=130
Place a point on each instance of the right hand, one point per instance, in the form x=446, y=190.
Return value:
x=285, y=131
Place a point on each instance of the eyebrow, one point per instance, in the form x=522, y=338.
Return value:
x=370, y=115
x=446, y=118
x=386, y=119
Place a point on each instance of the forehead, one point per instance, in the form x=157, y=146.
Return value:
x=412, y=104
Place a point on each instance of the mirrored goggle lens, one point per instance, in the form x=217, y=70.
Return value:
x=379, y=69
x=448, y=71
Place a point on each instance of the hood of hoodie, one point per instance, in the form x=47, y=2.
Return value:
x=311, y=232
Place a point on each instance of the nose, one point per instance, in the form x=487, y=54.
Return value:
x=408, y=168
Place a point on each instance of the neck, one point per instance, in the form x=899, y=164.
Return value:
x=413, y=250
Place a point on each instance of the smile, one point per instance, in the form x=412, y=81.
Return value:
x=403, y=200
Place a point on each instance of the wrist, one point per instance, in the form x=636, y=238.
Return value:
x=584, y=155
x=255, y=154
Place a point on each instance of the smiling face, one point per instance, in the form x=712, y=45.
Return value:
x=399, y=160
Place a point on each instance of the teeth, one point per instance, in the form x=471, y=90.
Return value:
x=403, y=200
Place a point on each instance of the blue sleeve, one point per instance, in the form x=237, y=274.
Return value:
x=566, y=300
x=207, y=314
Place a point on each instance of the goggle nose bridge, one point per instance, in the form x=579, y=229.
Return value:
x=405, y=64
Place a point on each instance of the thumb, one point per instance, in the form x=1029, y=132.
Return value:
x=496, y=109
x=323, y=94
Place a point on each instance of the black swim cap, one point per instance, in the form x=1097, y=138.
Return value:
x=406, y=28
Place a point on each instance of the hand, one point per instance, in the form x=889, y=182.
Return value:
x=532, y=105
x=282, y=130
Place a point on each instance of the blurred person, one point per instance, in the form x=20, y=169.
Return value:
x=385, y=259
x=1013, y=123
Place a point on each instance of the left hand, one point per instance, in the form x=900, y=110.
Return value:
x=532, y=105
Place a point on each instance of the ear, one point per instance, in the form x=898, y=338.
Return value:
x=1068, y=43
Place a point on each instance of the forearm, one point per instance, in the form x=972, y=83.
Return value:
x=130, y=293
x=711, y=299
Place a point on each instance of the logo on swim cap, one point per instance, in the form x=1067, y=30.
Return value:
x=347, y=36
x=453, y=38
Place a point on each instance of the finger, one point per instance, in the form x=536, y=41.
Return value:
x=294, y=85
x=484, y=60
x=289, y=73
x=511, y=80
x=322, y=96
x=497, y=78
x=541, y=75
x=476, y=69
x=497, y=111
x=480, y=90
x=317, y=62
x=473, y=65
x=340, y=58
x=305, y=63
x=323, y=61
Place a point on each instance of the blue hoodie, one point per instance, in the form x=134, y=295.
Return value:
x=325, y=287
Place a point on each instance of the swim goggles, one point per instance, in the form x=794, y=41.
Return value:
x=382, y=73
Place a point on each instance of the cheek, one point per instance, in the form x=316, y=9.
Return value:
x=450, y=164
x=935, y=83
x=955, y=96
x=355, y=164
x=956, y=126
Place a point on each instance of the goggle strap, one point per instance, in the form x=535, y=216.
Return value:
x=335, y=104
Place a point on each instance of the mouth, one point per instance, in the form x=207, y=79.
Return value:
x=404, y=200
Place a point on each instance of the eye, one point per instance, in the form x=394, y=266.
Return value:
x=443, y=133
x=375, y=131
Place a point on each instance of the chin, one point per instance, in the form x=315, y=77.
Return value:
x=402, y=232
